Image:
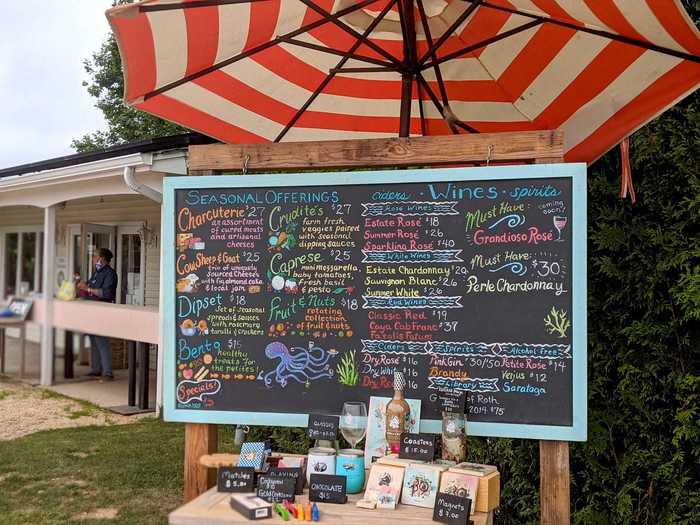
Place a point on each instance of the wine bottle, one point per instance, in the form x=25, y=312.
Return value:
x=398, y=413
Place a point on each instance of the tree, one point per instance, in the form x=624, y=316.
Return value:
x=124, y=123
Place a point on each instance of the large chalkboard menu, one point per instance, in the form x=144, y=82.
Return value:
x=290, y=294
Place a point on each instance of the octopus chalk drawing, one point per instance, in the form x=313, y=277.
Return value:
x=299, y=364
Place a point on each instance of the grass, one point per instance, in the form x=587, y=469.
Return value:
x=86, y=408
x=52, y=477
x=59, y=476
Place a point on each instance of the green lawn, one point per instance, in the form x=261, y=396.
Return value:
x=57, y=476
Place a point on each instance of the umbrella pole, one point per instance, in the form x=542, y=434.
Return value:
x=406, y=95
x=410, y=61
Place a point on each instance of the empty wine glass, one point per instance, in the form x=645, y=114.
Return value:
x=353, y=422
x=559, y=224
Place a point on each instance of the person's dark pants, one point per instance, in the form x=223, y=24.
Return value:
x=101, y=362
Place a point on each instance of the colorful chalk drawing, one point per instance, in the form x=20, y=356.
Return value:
x=188, y=284
x=470, y=384
x=516, y=267
x=468, y=349
x=347, y=370
x=557, y=322
x=514, y=220
x=432, y=301
x=189, y=327
x=373, y=209
x=282, y=239
x=412, y=256
x=188, y=391
x=559, y=222
x=281, y=283
x=300, y=365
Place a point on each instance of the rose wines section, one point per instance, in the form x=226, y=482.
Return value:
x=294, y=300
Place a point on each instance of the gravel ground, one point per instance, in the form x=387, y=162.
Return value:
x=25, y=409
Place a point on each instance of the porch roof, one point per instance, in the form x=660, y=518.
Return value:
x=141, y=146
x=98, y=173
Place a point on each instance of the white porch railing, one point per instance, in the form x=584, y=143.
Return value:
x=135, y=323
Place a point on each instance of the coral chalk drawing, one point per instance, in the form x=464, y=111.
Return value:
x=299, y=364
x=557, y=322
x=188, y=391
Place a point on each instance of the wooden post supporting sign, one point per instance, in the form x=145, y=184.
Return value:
x=512, y=148
x=554, y=483
x=199, y=441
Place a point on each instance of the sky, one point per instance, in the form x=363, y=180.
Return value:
x=45, y=106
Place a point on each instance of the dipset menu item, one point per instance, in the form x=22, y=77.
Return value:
x=295, y=299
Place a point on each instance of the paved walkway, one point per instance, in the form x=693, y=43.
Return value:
x=106, y=395
x=25, y=410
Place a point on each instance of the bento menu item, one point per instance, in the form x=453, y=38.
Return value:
x=295, y=299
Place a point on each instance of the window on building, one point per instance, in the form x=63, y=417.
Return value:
x=11, y=252
x=29, y=262
x=20, y=273
x=130, y=268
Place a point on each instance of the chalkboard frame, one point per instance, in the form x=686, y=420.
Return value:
x=577, y=431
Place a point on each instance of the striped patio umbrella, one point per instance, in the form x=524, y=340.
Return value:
x=247, y=71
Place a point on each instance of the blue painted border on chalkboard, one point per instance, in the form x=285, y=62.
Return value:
x=577, y=172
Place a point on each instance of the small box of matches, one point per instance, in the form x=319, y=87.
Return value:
x=251, y=506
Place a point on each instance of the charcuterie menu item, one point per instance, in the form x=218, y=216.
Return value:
x=296, y=298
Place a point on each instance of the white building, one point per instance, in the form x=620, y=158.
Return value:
x=55, y=213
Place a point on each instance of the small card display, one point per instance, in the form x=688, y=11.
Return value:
x=236, y=479
x=295, y=473
x=327, y=488
x=420, y=485
x=276, y=490
x=383, y=479
x=450, y=509
x=452, y=400
x=323, y=427
x=417, y=446
x=459, y=484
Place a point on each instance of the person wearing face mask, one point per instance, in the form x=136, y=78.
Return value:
x=102, y=286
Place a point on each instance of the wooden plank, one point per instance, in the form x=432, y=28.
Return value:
x=554, y=483
x=212, y=508
x=199, y=440
x=219, y=460
x=414, y=151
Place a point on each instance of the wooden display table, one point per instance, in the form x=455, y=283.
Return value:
x=212, y=508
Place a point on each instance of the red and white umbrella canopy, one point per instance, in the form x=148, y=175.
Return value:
x=246, y=71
